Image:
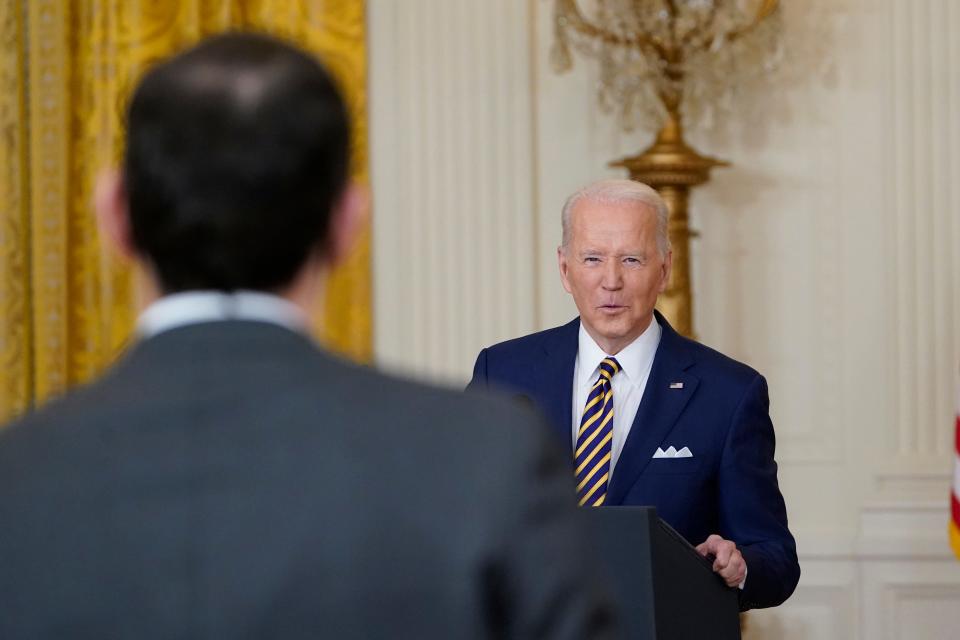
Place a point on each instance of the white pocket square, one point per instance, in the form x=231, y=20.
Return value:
x=672, y=452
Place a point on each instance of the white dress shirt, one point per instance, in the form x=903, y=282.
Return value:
x=193, y=307
x=636, y=360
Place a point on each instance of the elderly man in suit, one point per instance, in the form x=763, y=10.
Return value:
x=650, y=417
x=228, y=478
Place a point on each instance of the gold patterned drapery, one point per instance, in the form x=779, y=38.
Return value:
x=66, y=69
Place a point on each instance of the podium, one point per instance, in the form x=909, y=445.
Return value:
x=664, y=589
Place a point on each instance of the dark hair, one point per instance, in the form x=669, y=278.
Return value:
x=237, y=151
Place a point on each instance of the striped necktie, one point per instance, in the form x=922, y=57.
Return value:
x=595, y=437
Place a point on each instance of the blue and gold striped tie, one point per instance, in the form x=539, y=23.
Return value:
x=595, y=438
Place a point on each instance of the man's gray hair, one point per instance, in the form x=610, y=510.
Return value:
x=620, y=192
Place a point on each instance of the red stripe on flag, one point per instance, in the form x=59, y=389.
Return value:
x=955, y=509
x=957, y=433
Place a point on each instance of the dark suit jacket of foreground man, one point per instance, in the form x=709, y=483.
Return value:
x=720, y=412
x=230, y=480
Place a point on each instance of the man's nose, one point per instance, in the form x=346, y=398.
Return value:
x=612, y=275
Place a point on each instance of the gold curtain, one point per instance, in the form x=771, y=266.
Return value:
x=66, y=69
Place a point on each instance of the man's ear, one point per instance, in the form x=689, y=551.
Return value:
x=346, y=221
x=564, y=267
x=667, y=270
x=113, y=213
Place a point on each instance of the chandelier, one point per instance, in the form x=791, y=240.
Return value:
x=658, y=57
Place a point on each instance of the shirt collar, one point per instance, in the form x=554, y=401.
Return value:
x=194, y=307
x=634, y=359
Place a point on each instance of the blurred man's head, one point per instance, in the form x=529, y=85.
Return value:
x=615, y=258
x=236, y=168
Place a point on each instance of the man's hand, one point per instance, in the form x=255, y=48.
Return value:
x=729, y=563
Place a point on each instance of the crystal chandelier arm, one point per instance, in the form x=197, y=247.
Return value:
x=700, y=31
x=766, y=8
x=674, y=35
x=570, y=12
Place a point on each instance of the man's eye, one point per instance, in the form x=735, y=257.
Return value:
x=591, y=259
x=631, y=260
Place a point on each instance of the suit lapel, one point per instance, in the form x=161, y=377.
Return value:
x=561, y=354
x=659, y=410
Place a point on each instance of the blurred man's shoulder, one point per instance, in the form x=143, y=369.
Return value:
x=536, y=340
x=448, y=407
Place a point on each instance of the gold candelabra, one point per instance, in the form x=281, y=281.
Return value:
x=661, y=62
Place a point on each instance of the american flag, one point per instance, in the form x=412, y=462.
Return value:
x=955, y=492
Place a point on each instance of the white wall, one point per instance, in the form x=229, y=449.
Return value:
x=829, y=259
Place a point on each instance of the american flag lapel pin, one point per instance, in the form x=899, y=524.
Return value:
x=676, y=385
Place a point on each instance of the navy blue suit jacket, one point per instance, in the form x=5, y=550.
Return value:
x=721, y=414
